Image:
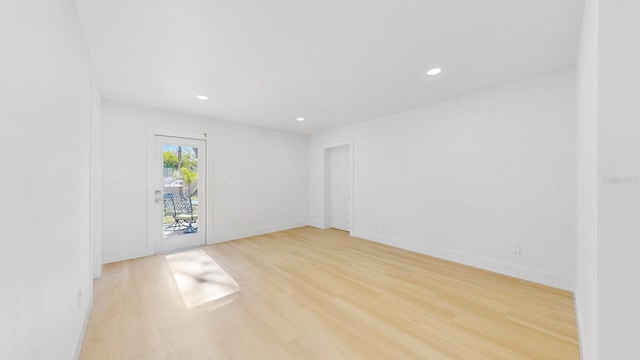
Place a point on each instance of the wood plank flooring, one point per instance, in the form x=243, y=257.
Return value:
x=321, y=294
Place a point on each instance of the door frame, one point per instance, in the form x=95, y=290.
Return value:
x=326, y=154
x=154, y=234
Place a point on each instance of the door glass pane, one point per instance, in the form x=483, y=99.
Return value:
x=180, y=190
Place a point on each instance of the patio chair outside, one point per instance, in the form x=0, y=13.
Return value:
x=184, y=213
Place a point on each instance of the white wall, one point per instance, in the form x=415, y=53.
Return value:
x=586, y=288
x=468, y=178
x=618, y=200
x=44, y=151
x=96, y=183
x=259, y=180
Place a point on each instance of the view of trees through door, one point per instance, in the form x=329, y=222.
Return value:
x=180, y=189
x=177, y=192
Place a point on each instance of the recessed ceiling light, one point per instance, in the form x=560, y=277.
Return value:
x=434, y=71
x=202, y=97
x=300, y=119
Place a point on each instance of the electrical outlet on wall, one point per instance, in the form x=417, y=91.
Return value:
x=517, y=249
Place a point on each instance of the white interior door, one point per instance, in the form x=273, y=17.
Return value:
x=178, y=200
x=340, y=188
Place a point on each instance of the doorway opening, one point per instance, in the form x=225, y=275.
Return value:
x=177, y=206
x=338, y=186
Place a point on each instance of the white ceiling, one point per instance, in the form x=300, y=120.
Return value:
x=334, y=62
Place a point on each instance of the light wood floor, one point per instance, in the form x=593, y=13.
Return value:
x=320, y=294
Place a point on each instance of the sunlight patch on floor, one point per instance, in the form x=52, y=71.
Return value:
x=199, y=278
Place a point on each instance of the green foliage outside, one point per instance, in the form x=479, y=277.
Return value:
x=187, y=163
x=188, y=177
x=170, y=160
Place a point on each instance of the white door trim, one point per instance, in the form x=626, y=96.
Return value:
x=327, y=183
x=155, y=233
x=152, y=132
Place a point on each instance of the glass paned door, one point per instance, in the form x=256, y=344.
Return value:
x=179, y=195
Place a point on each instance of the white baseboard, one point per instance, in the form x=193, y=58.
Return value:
x=521, y=272
x=258, y=231
x=576, y=308
x=97, y=271
x=83, y=330
x=134, y=254
x=127, y=256
x=316, y=224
